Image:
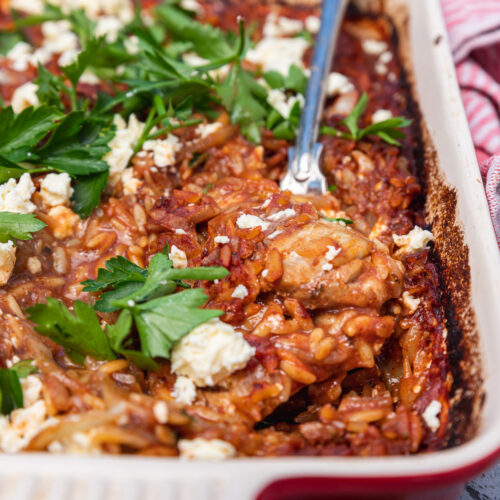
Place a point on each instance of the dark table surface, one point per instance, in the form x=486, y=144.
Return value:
x=484, y=487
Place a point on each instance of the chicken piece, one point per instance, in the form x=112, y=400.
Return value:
x=328, y=265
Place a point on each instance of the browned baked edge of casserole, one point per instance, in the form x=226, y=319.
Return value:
x=337, y=338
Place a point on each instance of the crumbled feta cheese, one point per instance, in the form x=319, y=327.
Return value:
x=381, y=115
x=278, y=54
x=282, y=103
x=221, y=239
x=68, y=58
x=337, y=83
x=58, y=37
x=385, y=57
x=277, y=26
x=32, y=389
x=109, y=27
x=205, y=449
x=417, y=239
x=248, y=221
x=210, y=352
x=282, y=215
x=180, y=231
x=327, y=267
x=240, y=292
x=313, y=24
x=28, y=6
x=184, y=391
x=164, y=150
x=332, y=252
x=265, y=273
x=122, y=9
x=373, y=47
x=7, y=261
x=56, y=189
x=160, y=411
x=89, y=78
x=430, y=415
x=132, y=44
x=122, y=145
x=20, y=56
x=34, y=265
x=206, y=129
x=24, y=97
x=191, y=5
x=23, y=424
x=410, y=302
x=129, y=182
x=15, y=197
x=62, y=221
x=178, y=257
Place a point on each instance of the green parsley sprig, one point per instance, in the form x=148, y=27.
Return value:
x=388, y=130
x=149, y=304
x=11, y=392
x=18, y=226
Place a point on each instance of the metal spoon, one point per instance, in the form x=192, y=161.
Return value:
x=304, y=174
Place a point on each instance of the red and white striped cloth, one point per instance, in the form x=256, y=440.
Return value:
x=474, y=32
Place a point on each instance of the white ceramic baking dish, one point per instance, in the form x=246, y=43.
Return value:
x=435, y=475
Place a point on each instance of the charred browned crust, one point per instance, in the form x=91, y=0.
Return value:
x=450, y=254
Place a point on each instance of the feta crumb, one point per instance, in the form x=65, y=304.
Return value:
x=373, y=47
x=56, y=189
x=248, y=221
x=278, y=54
x=277, y=26
x=240, y=292
x=385, y=57
x=430, y=415
x=160, y=411
x=337, y=83
x=191, y=5
x=327, y=267
x=332, y=252
x=164, y=150
x=380, y=68
x=381, y=115
x=184, y=391
x=129, y=182
x=205, y=449
x=28, y=6
x=206, y=129
x=221, y=239
x=20, y=56
x=265, y=273
x=282, y=103
x=7, y=261
x=34, y=265
x=32, y=389
x=132, y=44
x=410, y=302
x=180, y=231
x=313, y=24
x=210, y=352
x=89, y=78
x=109, y=27
x=23, y=424
x=122, y=145
x=58, y=38
x=24, y=97
x=62, y=221
x=178, y=257
x=15, y=197
x=417, y=239
x=282, y=215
